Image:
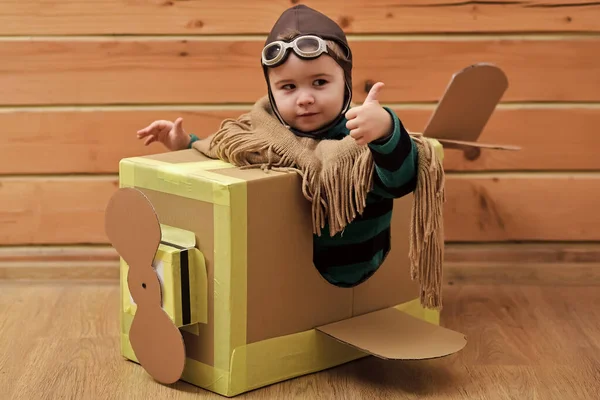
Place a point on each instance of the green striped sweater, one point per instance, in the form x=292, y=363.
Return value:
x=353, y=255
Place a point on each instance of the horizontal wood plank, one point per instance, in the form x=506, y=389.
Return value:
x=539, y=274
x=478, y=208
x=523, y=253
x=485, y=263
x=523, y=207
x=125, y=71
x=58, y=254
x=455, y=254
x=58, y=142
x=45, y=17
x=55, y=210
x=63, y=271
x=573, y=274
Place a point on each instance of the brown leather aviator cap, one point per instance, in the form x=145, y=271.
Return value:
x=308, y=21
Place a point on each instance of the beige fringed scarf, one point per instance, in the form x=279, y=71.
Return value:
x=336, y=176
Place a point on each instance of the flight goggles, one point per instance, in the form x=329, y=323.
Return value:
x=306, y=47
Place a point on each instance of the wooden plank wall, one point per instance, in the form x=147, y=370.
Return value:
x=78, y=79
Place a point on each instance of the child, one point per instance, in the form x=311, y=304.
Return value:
x=354, y=161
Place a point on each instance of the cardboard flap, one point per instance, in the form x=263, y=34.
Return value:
x=468, y=103
x=462, y=145
x=395, y=335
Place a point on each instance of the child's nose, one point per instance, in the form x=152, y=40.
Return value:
x=305, y=99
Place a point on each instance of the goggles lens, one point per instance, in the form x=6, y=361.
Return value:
x=308, y=44
x=303, y=46
x=272, y=51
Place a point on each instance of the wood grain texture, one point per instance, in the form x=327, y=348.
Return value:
x=61, y=271
x=82, y=141
x=138, y=70
x=510, y=253
x=457, y=253
x=58, y=254
x=522, y=273
x=522, y=207
x=54, y=210
x=46, y=141
x=478, y=208
x=82, y=263
x=199, y=17
x=524, y=342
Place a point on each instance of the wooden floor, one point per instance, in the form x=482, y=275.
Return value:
x=59, y=341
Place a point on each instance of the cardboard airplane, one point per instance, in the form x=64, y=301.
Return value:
x=218, y=287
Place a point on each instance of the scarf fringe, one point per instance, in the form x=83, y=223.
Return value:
x=426, y=243
x=336, y=197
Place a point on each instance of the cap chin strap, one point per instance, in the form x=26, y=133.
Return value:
x=319, y=133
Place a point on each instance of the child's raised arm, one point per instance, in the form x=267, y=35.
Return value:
x=170, y=134
x=395, y=159
x=394, y=152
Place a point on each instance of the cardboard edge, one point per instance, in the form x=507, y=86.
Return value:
x=465, y=145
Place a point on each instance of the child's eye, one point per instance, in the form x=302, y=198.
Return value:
x=289, y=86
x=320, y=82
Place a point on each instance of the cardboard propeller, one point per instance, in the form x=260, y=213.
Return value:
x=132, y=227
x=466, y=106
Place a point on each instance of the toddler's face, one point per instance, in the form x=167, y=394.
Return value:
x=309, y=93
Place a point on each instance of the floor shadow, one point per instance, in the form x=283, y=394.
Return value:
x=418, y=377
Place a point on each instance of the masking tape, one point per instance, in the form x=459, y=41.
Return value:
x=174, y=289
x=198, y=296
x=187, y=180
x=206, y=165
x=239, y=268
x=230, y=276
x=180, y=237
x=274, y=360
x=190, y=166
x=206, y=376
x=196, y=373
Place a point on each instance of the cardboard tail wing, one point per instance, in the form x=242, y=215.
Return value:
x=466, y=106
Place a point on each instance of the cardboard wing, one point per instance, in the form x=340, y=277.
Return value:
x=466, y=106
x=394, y=335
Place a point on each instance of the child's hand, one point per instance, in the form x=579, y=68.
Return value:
x=369, y=121
x=168, y=133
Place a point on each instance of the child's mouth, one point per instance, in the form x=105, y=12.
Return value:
x=307, y=115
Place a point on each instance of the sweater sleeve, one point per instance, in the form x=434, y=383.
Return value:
x=395, y=159
x=193, y=138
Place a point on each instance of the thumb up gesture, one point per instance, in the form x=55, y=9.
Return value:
x=170, y=134
x=370, y=121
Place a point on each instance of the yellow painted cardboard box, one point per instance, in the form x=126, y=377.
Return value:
x=263, y=312
x=264, y=296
